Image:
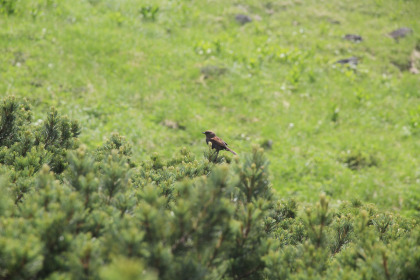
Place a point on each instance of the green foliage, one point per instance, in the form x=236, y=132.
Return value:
x=414, y=123
x=70, y=212
x=184, y=218
x=149, y=12
x=14, y=114
x=117, y=143
x=25, y=147
x=253, y=176
x=344, y=243
x=125, y=268
x=356, y=160
x=316, y=221
x=7, y=7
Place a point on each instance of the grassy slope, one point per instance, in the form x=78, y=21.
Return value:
x=102, y=63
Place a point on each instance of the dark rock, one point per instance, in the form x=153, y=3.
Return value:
x=212, y=71
x=352, y=61
x=36, y=83
x=334, y=21
x=400, y=33
x=267, y=144
x=243, y=19
x=353, y=37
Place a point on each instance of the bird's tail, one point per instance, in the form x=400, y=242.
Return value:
x=231, y=151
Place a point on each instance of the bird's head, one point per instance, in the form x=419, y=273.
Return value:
x=209, y=134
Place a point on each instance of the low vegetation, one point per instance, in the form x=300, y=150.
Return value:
x=103, y=216
x=255, y=72
x=329, y=89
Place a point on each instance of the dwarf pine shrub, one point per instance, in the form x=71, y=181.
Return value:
x=25, y=147
x=70, y=213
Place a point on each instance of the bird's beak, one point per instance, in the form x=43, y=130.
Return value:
x=203, y=132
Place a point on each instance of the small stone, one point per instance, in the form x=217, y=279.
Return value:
x=267, y=144
x=352, y=61
x=353, y=38
x=400, y=33
x=243, y=19
x=212, y=71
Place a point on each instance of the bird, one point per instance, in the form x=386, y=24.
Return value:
x=216, y=142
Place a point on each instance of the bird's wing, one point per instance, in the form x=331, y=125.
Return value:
x=219, y=141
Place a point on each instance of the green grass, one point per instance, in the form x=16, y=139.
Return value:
x=102, y=62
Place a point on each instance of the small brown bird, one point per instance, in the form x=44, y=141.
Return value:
x=216, y=143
